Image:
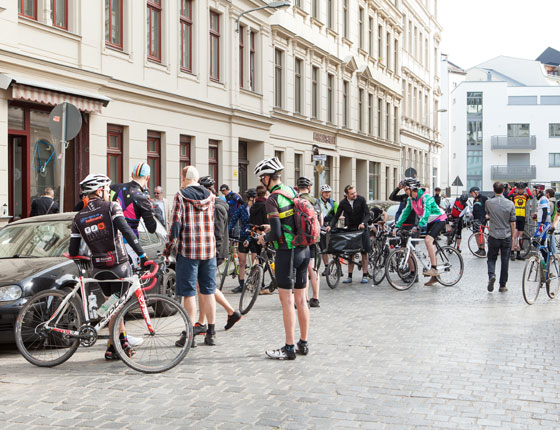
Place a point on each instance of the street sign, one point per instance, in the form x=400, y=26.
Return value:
x=457, y=182
x=410, y=172
x=72, y=121
x=320, y=157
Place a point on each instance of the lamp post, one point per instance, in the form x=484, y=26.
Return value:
x=271, y=5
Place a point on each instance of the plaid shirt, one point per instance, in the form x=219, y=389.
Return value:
x=196, y=238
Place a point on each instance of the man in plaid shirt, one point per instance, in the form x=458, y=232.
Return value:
x=192, y=229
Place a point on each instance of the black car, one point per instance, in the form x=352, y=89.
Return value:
x=31, y=260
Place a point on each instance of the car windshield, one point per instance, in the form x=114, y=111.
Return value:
x=41, y=239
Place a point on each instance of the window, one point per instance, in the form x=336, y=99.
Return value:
x=427, y=52
x=420, y=56
x=345, y=104
x=380, y=42
x=410, y=37
x=241, y=56
x=297, y=166
x=415, y=105
x=278, y=84
x=298, y=3
x=415, y=52
x=523, y=100
x=214, y=46
x=374, y=169
x=361, y=109
x=252, y=64
x=396, y=55
x=379, y=116
x=474, y=164
x=28, y=8
x=550, y=100
x=279, y=155
x=184, y=152
x=361, y=28
x=315, y=9
x=297, y=86
x=370, y=114
x=387, y=120
x=154, y=159
x=59, y=13
x=370, y=37
x=518, y=130
x=345, y=18
x=315, y=92
x=388, y=41
x=330, y=98
x=330, y=14
x=396, y=125
x=154, y=30
x=426, y=110
x=553, y=130
x=474, y=132
x=243, y=166
x=186, y=23
x=213, y=159
x=474, y=103
x=114, y=23
x=115, y=153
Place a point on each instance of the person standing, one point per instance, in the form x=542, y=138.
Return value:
x=290, y=262
x=241, y=218
x=192, y=230
x=501, y=214
x=45, y=204
x=161, y=207
x=520, y=195
x=356, y=216
x=437, y=196
x=328, y=208
x=479, y=216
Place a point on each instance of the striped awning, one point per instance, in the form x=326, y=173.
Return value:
x=53, y=98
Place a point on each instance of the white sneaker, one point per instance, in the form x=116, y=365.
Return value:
x=134, y=341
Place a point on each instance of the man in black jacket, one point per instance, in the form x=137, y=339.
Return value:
x=356, y=216
x=45, y=204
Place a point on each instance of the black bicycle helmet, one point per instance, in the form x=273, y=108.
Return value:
x=251, y=192
x=474, y=190
x=206, y=181
x=304, y=182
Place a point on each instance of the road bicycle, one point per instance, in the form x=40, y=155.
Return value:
x=53, y=324
x=334, y=268
x=382, y=245
x=541, y=270
x=478, y=237
x=40, y=165
x=401, y=266
x=452, y=232
x=230, y=266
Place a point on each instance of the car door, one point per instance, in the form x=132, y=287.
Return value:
x=150, y=242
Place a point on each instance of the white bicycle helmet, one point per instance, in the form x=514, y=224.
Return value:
x=268, y=166
x=325, y=188
x=93, y=182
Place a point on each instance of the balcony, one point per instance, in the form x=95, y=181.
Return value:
x=512, y=173
x=517, y=142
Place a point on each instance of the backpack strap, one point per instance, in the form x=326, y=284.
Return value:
x=284, y=194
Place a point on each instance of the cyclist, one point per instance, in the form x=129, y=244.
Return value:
x=377, y=217
x=328, y=208
x=429, y=215
x=437, y=196
x=234, y=200
x=102, y=225
x=304, y=185
x=356, y=217
x=458, y=210
x=135, y=202
x=479, y=216
x=290, y=262
x=241, y=218
x=543, y=217
x=520, y=195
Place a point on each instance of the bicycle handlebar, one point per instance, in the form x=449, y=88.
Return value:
x=149, y=275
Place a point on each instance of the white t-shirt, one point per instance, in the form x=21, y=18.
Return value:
x=543, y=204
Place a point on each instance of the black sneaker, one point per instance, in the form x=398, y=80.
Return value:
x=281, y=354
x=502, y=289
x=210, y=339
x=199, y=329
x=481, y=252
x=237, y=290
x=512, y=256
x=232, y=319
x=324, y=272
x=520, y=257
x=302, y=348
x=182, y=339
x=491, y=283
x=314, y=303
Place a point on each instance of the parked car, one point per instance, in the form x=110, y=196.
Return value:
x=31, y=260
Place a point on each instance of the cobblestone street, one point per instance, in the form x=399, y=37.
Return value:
x=430, y=357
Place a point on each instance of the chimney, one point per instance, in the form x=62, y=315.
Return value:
x=489, y=75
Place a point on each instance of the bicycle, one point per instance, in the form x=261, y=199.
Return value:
x=452, y=232
x=230, y=266
x=383, y=244
x=539, y=270
x=38, y=165
x=402, y=263
x=53, y=324
x=478, y=237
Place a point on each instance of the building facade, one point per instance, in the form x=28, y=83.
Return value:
x=172, y=82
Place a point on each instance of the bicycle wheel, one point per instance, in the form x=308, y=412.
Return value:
x=400, y=270
x=157, y=351
x=525, y=244
x=334, y=272
x=450, y=266
x=251, y=289
x=473, y=244
x=379, y=269
x=42, y=347
x=532, y=280
x=225, y=271
x=553, y=281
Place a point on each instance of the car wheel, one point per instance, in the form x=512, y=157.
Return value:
x=167, y=288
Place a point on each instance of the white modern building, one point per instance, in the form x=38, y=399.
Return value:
x=505, y=124
x=171, y=81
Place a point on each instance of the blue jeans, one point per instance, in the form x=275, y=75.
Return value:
x=190, y=271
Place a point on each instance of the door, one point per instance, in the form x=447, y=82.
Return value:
x=17, y=153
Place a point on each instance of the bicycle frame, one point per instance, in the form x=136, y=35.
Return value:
x=410, y=241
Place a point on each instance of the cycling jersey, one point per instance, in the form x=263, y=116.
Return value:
x=135, y=204
x=425, y=207
x=281, y=208
x=543, y=211
x=520, y=201
x=328, y=209
x=102, y=225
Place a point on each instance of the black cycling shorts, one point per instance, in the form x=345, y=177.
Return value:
x=243, y=249
x=299, y=268
x=435, y=228
x=254, y=247
x=366, y=242
x=520, y=223
x=123, y=270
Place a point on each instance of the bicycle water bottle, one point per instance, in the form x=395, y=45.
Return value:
x=107, y=305
x=92, y=302
x=272, y=266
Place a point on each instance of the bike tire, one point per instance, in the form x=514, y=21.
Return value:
x=379, y=269
x=157, y=352
x=444, y=257
x=251, y=289
x=333, y=273
x=532, y=280
x=225, y=272
x=398, y=274
x=525, y=245
x=38, y=310
x=473, y=244
x=553, y=281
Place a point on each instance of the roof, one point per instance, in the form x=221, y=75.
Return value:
x=514, y=71
x=550, y=56
x=454, y=68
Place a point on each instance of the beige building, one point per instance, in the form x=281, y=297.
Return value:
x=171, y=81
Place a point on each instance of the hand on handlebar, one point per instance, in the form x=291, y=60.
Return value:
x=261, y=240
x=361, y=227
x=328, y=228
x=143, y=260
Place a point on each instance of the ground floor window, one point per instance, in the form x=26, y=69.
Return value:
x=154, y=160
x=115, y=153
x=374, y=169
x=213, y=160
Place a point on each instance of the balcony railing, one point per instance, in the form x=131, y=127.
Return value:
x=510, y=173
x=508, y=142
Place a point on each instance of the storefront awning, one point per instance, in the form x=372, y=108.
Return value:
x=40, y=92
